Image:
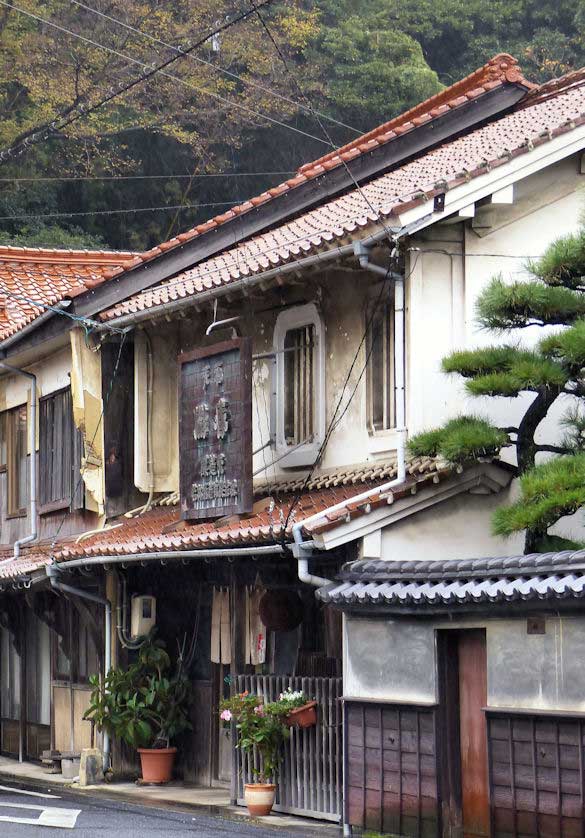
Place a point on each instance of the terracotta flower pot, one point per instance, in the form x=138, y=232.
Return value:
x=259, y=798
x=305, y=716
x=157, y=764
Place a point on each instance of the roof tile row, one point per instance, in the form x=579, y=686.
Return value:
x=439, y=170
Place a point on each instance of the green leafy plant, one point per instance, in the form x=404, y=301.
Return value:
x=260, y=726
x=145, y=704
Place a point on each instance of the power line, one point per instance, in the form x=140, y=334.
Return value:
x=151, y=72
x=84, y=321
x=80, y=109
x=118, y=211
x=391, y=239
x=217, y=69
x=99, y=178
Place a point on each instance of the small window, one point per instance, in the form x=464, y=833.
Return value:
x=380, y=367
x=60, y=452
x=300, y=384
x=13, y=451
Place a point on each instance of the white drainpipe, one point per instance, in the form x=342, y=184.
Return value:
x=32, y=464
x=303, y=550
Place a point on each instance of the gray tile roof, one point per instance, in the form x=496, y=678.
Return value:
x=396, y=584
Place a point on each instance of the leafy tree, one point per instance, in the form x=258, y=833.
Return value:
x=554, y=369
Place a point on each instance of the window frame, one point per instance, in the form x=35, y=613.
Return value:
x=295, y=318
x=388, y=375
x=13, y=509
x=75, y=498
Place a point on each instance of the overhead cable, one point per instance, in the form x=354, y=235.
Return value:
x=213, y=66
x=80, y=109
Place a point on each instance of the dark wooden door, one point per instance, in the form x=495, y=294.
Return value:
x=471, y=646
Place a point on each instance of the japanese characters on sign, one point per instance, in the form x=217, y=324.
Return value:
x=216, y=430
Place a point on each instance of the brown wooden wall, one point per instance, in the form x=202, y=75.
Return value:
x=537, y=775
x=391, y=769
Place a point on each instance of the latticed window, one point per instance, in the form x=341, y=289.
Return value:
x=299, y=385
x=380, y=367
x=299, y=352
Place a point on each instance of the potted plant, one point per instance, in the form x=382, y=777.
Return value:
x=300, y=711
x=262, y=727
x=145, y=705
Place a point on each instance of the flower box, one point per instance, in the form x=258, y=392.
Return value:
x=304, y=716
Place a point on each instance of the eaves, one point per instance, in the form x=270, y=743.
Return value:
x=487, y=477
x=525, y=162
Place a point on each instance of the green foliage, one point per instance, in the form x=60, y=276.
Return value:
x=503, y=306
x=369, y=71
x=145, y=704
x=488, y=359
x=574, y=423
x=563, y=262
x=527, y=371
x=44, y=236
x=567, y=347
x=261, y=727
x=460, y=440
x=547, y=492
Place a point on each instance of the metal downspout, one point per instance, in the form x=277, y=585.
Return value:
x=53, y=573
x=303, y=550
x=32, y=437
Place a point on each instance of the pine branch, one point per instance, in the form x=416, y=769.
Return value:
x=554, y=449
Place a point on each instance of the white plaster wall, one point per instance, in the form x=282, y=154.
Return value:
x=458, y=528
x=443, y=291
x=396, y=660
x=52, y=374
x=389, y=659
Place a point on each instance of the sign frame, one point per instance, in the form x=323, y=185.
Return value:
x=190, y=458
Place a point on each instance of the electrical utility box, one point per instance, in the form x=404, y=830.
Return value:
x=143, y=615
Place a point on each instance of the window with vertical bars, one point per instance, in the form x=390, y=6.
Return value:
x=60, y=452
x=299, y=385
x=380, y=368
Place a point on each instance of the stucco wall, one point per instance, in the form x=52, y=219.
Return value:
x=388, y=659
x=458, y=528
x=396, y=660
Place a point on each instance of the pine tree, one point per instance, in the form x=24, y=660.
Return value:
x=552, y=485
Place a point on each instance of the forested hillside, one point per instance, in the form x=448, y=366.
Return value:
x=233, y=116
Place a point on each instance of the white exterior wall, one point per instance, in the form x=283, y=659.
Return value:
x=458, y=528
x=396, y=660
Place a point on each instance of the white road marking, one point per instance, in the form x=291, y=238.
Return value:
x=53, y=816
x=31, y=793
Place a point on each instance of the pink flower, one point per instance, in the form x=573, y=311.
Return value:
x=259, y=710
x=226, y=715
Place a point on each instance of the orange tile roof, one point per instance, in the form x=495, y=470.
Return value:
x=30, y=275
x=551, y=110
x=501, y=69
x=153, y=532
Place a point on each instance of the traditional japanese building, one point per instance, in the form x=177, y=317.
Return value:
x=221, y=424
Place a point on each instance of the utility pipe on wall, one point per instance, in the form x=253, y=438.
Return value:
x=53, y=571
x=301, y=549
x=32, y=443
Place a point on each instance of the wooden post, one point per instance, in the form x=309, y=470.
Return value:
x=22, y=685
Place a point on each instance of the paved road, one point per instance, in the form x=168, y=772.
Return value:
x=63, y=813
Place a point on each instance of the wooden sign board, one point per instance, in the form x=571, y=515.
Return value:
x=215, y=430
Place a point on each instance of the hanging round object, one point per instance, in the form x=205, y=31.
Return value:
x=281, y=610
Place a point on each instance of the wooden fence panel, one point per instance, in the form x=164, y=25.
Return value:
x=310, y=777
